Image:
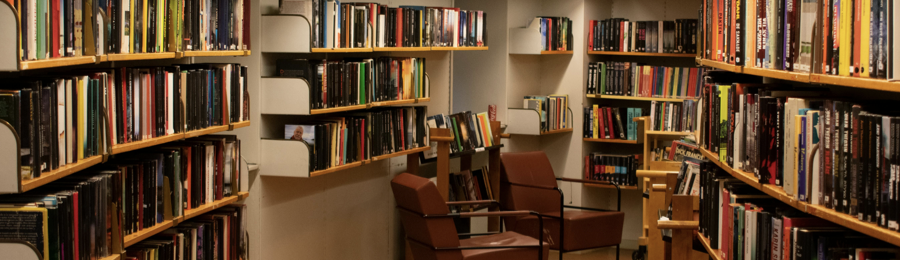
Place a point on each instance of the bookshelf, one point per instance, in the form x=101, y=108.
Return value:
x=139, y=236
x=630, y=98
x=528, y=122
x=9, y=156
x=289, y=158
x=850, y=222
x=290, y=96
x=715, y=254
x=813, y=78
x=611, y=141
x=643, y=54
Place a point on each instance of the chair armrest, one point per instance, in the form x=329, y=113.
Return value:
x=618, y=190
x=484, y=247
x=586, y=208
x=471, y=202
x=674, y=224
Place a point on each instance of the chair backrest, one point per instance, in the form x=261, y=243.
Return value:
x=417, y=196
x=521, y=170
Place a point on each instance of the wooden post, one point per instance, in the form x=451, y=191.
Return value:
x=682, y=238
x=443, y=138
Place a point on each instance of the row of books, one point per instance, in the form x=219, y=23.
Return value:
x=622, y=35
x=219, y=234
x=620, y=169
x=556, y=33
x=743, y=223
x=611, y=122
x=553, y=109
x=673, y=116
x=847, y=38
x=828, y=152
x=337, y=83
x=53, y=29
x=470, y=185
x=469, y=131
x=60, y=121
x=88, y=215
x=635, y=80
x=339, y=141
x=368, y=25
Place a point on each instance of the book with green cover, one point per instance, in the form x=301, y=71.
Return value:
x=362, y=83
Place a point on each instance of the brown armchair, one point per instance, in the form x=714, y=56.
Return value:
x=433, y=236
x=527, y=182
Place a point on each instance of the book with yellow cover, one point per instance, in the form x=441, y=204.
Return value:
x=82, y=97
x=863, y=65
x=30, y=225
x=846, y=31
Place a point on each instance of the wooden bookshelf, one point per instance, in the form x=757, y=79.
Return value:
x=634, y=98
x=241, y=124
x=122, y=148
x=557, y=131
x=484, y=48
x=141, y=56
x=556, y=52
x=216, y=53
x=336, y=169
x=340, y=50
x=401, y=153
x=820, y=211
x=854, y=82
x=610, y=140
x=336, y=109
x=401, y=49
x=720, y=65
x=715, y=254
x=396, y=102
x=208, y=130
x=69, y=169
x=609, y=186
x=56, y=62
x=668, y=134
x=778, y=74
x=139, y=236
x=643, y=54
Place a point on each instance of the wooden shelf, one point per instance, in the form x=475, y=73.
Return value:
x=216, y=53
x=401, y=49
x=820, y=211
x=56, y=62
x=141, y=56
x=610, y=140
x=633, y=98
x=474, y=151
x=64, y=171
x=340, y=50
x=112, y=257
x=778, y=74
x=556, y=52
x=721, y=65
x=336, y=109
x=853, y=82
x=139, y=236
x=239, y=125
x=557, y=131
x=669, y=134
x=715, y=254
x=484, y=48
x=648, y=54
x=401, y=153
x=336, y=169
x=609, y=186
x=397, y=102
x=122, y=148
x=208, y=130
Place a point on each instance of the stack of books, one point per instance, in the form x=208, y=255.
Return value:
x=620, y=169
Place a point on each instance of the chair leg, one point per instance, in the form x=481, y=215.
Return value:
x=560, y=255
x=617, y=252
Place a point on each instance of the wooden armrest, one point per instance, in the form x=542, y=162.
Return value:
x=507, y=136
x=585, y=181
x=673, y=224
x=659, y=187
x=497, y=213
x=470, y=202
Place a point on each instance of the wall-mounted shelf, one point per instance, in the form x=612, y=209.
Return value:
x=483, y=48
x=719, y=65
x=851, y=82
x=617, y=97
x=401, y=49
x=645, y=54
x=668, y=134
x=139, y=236
x=609, y=140
x=851, y=222
x=527, y=41
x=289, y=158
x=528, y=122
x=610, y=186
x=290, y=96
x=285, y=34
x=142, y=56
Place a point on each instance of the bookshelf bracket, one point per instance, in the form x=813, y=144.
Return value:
x=9, y=159
x=286, y=34
x=9, y=58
